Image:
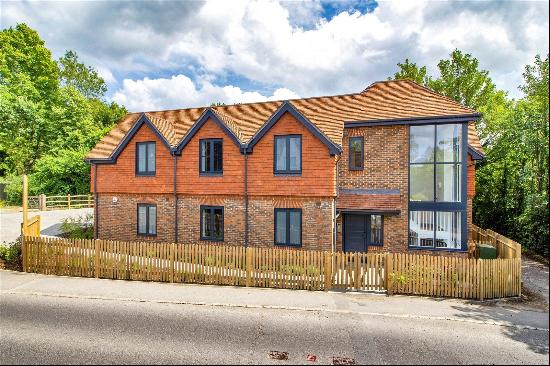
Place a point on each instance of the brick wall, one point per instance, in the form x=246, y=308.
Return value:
x=118, y=221
x=385, y=167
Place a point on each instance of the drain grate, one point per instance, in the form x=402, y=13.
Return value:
x=277, y=355
x=343, y=361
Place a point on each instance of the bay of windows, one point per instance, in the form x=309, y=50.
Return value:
x=437, y=202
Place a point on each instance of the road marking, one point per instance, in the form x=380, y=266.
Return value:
x=274, y=307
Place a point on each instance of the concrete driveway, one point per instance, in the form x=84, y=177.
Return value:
x=49, y=319
x=50, y=221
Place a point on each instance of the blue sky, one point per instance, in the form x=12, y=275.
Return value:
x=176, y=54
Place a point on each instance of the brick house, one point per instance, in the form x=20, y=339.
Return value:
x=390, y=168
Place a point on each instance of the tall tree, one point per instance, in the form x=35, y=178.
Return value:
x=83, y=78
x=462, y=80
x=409, y=70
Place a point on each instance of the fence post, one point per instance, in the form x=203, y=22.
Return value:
x=480, y=280
x=96, y=266
x=328, y=271
x=249, y=253
x=69, y=200
x=388, y=269
x=41, y=202
x=357, y=271
x=172, y=260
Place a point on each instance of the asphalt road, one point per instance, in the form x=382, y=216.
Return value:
x=50, y=221
x=45, y=329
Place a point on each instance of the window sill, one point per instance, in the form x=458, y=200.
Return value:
x=138, y=175
x=432, y=249
x=288, y=245
x=283, y=175
x=211, y=239
x=147, y=235
x=211, y=174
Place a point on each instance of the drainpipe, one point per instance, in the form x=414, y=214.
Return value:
x=175, y=200
x=96, y=204
x=245, y=198
x=334, y=215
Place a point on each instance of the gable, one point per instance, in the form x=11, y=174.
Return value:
x=287, y=107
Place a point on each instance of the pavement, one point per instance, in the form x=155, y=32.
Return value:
x=535, y=277
x=47, y=319
x=50, y=221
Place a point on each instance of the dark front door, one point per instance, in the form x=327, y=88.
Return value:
x=355, y=233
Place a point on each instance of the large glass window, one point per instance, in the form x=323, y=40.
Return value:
x=288, y=226
x=288, y=154
x=147, y=219
x=145, y=158
x=435, y=163
x=437, y=206
x=356, y=153
x=212, y=223
x=211, y=156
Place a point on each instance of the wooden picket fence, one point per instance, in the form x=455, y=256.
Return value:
x=274, y=267
x=506, y=247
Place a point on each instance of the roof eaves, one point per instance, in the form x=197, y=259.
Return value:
x=207, y=114
x=287, y=106
x=415, y=120
x=140, y=121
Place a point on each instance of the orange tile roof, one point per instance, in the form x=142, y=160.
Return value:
x=393, y=99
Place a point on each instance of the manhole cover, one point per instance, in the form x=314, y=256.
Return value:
x=277, y=355
x=343, y=361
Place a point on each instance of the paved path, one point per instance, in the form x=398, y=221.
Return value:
x=535, y=278
x=10, y=221
x=48, y=319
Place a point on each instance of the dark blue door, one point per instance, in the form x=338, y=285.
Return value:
x=355, y=233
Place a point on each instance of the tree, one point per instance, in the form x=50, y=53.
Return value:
x=81, y=77
x=462, y=80
x=50, y=114
x=409, y=70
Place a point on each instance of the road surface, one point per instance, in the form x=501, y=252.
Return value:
x=47, y=319
x=50, y=221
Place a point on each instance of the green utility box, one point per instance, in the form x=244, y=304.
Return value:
x=486, y=251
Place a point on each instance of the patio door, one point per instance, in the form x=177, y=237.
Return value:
x=355, y=233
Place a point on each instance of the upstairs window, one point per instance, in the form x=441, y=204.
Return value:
x=147, y=219
x=288, y=226
x=211, y=156
x=145, y=158
x=356, y=153
x=288, y=154
x=212, y=223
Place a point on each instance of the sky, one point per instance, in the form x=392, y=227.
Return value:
x=176, y=54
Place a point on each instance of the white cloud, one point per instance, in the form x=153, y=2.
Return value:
x=289, y=45
x=106, y=74
x=181, y=92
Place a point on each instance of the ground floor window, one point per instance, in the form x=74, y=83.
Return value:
x=212, y=223
x=376, y=236
x=435, y=229
x=147, y=219
x=288, y=226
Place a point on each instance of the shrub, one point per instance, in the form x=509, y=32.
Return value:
x=11, y=252
x=81, y=227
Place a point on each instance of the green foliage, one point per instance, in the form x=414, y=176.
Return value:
x=81, y=77
x=81, y=227
x=51, y=114
x=11, y=252
x=409, y=70
x=512, y=182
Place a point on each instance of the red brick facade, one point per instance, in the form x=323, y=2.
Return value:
x=314, y=191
